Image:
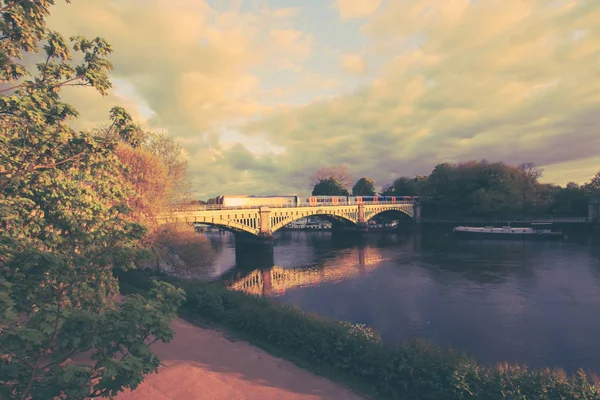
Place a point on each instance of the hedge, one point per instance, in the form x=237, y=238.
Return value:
x=355, y=353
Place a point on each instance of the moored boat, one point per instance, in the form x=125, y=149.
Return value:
x=536, y=232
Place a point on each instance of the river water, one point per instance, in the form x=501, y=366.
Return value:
x=536, y=303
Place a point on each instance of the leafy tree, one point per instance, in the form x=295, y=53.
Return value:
x=64, y=227
x=405, y=186
x=329, y=187
x=364, y=187
x=168, y=155
x=339, y=173
x=149, y=178
x=156, y=170
x=530, y=175
x=594, y=185
x=172, y=156
x=572, y=200
x=495, y=190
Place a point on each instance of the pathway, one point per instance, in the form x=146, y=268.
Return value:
x=201, y=364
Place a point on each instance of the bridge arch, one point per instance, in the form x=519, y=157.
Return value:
x=230, y=225
x=396, y=210
x=321, y=213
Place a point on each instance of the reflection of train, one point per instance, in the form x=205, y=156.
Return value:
x=299, y=201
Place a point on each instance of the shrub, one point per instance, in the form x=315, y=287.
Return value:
x=193, y=249
x=355, y=353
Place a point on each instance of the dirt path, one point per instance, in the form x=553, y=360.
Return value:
x=201, y=364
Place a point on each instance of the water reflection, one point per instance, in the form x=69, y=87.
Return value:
x=275, y=280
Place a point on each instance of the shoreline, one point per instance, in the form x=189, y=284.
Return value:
x=355, y=356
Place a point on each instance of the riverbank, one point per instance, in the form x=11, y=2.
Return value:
x=202, y=363
x=356, y=356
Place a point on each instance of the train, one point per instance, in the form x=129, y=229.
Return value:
x=300, y=201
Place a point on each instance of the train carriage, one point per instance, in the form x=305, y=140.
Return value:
x=309, y=201
x=313, y=201
x=256, y=201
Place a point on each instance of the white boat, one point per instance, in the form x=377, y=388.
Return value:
x=537, y=231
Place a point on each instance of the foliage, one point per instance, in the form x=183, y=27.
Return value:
x=172, y=156
x=594, y=185
x=413, y=370
x=495, y=190
x=146, y=152
x=192, y=248
x=364, y=187
x=570, y=200
x=329, y=187
x=404, y=186
x=339, y=173
x=156, y=170
x=148, y=178
x=64, y=227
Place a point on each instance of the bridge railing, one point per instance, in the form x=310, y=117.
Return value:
x=211, y=207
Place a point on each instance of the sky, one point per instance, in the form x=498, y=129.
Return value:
x=262, y=93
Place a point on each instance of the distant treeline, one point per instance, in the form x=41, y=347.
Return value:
x=495, y=190
x=470, y=189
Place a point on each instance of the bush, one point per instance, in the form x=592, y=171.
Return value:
x=355, y=353
x=193, y=249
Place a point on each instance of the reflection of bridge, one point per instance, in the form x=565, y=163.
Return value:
x=276, y=280
x=263, y=221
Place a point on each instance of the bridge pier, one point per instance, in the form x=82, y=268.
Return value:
x=264, y=216
x=260, y=240
x=417, y=212
x=253, y=255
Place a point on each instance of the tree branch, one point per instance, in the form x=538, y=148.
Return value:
x=55, y=332
x=56, y=164
x=30, y=383
x=46, y=68
x=62, y=359
x=53, y=86
x=24, y=361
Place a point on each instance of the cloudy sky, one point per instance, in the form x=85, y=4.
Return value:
x=262, y=93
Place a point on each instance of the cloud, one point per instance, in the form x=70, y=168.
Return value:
x=512, y=82
x=190, y=62
x=350, y=9
x=447, y=80
x=281, y=13
x=353, y=63
x=189, y=68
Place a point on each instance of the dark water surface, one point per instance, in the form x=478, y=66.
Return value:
x=536, y=303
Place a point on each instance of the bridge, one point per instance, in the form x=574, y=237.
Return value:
x=263, y=221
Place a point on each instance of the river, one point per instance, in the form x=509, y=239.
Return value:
x=536, y=303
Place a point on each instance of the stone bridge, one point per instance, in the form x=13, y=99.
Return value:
x=264, y=221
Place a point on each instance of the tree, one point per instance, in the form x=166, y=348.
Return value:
x=530, y=173
x=156, y=170
x=364, y=187
x=172, y=155
x=594, y=185
x=572, y=200
x=149, y=178
x=329, y=187
x=339, y=173
x=64, y=228
x=168, y=154
x=405, y=186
